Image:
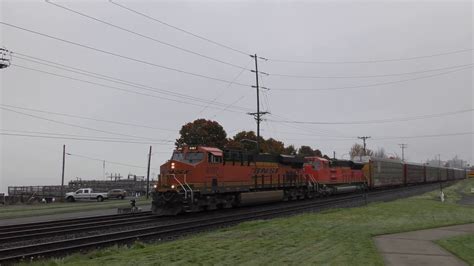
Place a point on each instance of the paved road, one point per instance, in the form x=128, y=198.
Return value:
x=418, y=248
x=70, y=215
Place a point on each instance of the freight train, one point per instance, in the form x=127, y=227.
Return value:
x=198, y=178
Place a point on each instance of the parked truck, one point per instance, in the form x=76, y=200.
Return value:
x=86, y=194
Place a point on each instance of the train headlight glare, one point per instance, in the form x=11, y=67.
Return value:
x=172, y=165
x=155, y=186
x=172, y=186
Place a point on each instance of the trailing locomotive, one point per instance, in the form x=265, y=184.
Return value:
x=207, y=178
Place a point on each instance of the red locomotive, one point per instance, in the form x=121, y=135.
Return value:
x=335, y=176
x=206, y=178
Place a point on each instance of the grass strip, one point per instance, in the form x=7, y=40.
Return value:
x=333, y=237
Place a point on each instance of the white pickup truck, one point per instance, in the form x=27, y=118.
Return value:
x=85, y=194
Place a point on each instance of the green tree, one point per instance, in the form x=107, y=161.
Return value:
x=290, y=150
x=202, y=132
x=308, y=151
x=244, y=140
x=272, y=146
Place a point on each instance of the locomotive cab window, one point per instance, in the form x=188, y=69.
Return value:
x=316, y=165
x=189, y=157
x=213, y=158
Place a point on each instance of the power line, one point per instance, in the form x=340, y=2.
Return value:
x=228, y=106
x=121, y=81
x=144, y=36
x=107, y=161
x=373, y=84
x=111, y=87
x=370, y=76
x=88, y=118
x=120, y=56
x=425, y=136
x=66, y=135
x=85, y=139
x=371, y=61
x=77, y=126
x=228, y=86
x=390, y=120
x=179, y=29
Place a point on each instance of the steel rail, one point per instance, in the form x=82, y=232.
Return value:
x=7, y=228
x=62, y=247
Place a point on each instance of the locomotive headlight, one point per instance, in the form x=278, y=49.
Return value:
x=172, y=186
x=172, y=165
x=155, y=186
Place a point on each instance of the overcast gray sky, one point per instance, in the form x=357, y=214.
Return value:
x=322, y=31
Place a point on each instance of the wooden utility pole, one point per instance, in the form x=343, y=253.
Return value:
x=148, y=175
x=364, y=138
x=258, y=114
x=62, y=174
x=403, y=146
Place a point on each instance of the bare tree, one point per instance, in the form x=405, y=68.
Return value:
x=358, y=150
x=380, y=153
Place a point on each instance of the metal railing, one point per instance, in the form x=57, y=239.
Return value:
x=185, y=187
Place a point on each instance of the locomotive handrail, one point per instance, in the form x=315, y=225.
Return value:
x=181, y=184
x=313, y=180
x=190, y=189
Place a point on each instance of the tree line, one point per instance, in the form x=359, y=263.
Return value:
x=211, y=133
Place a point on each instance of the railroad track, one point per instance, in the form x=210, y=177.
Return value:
x=27, y=226
x=170, y=231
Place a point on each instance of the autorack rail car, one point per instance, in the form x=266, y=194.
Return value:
x=382, y=173
x=205, y=178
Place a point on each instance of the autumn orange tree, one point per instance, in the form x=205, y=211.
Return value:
x=202, y=132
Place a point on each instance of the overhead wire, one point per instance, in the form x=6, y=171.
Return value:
x=179, y=29
x=369, y=85
x=67, y=135
x=224, y=91
x=143, y=35
x=372, y=61
x=107, y=161
x=119, y=81
x=378, y=121
x=87, y=118
x=82, y=127
x=81, y=138
x=372, y=76
x=120, y=55
x=111, y=87
x=425, y=136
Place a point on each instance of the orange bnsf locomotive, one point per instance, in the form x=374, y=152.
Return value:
x=206, y=178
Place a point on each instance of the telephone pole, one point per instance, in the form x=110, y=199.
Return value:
x=62, y=174
x=403, y=146
x=258, y=114
x=364, y=138
x=148, y=175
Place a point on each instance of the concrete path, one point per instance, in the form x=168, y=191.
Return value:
x=418, y=248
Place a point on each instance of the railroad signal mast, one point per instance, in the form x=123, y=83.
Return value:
x=258, y=115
